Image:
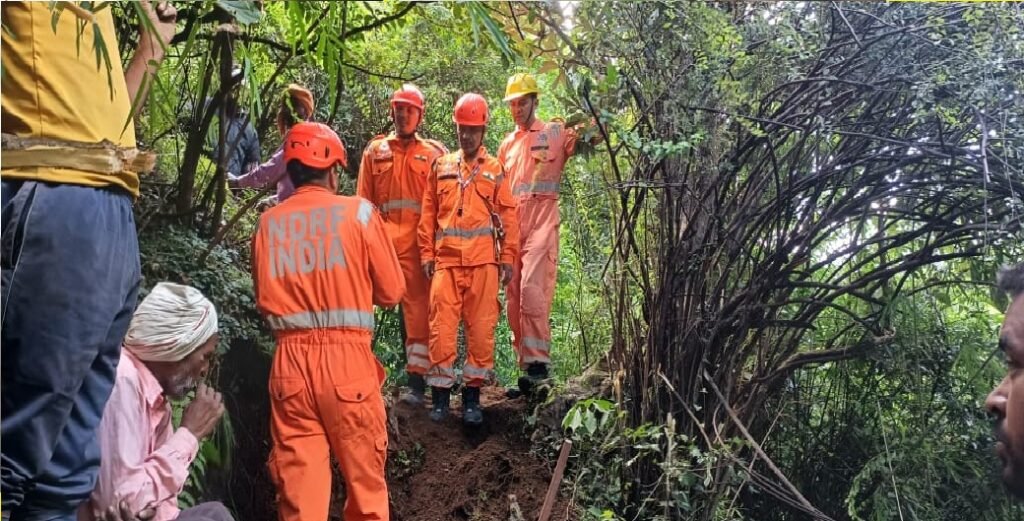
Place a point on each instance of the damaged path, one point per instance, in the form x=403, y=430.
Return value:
x=446, y=472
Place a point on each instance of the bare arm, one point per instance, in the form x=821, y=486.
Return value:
x=150, y=51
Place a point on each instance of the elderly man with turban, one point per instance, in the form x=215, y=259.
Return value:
x=144, y=459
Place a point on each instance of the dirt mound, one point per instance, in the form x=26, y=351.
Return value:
x=447, y=472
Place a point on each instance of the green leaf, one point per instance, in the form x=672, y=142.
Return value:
x=479, y=13
x=572, y=420
x=56, y=8
x=590, y=422
x=245, y=12
x=103, y=57
x=613, y=74
x=139, y=100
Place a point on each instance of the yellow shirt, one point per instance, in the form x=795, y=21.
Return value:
x=52, y=90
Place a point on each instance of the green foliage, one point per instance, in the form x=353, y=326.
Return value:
x=243, y=11
x=677, y=90
x=405, y=463
x=903, y=431
x=224, y=279
x=605, y=448
x=170, y=254
x=215, y=451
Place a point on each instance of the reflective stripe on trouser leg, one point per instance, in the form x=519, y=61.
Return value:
x=537, y=292
x=417, y=358
x=440, y=376
x=416, y=314
x=480, y=316
x=535, y=350
x=328, y=395
x=445, y=311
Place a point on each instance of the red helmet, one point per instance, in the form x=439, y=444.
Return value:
x=471, y=110
x=410, y=95
x=314, y=145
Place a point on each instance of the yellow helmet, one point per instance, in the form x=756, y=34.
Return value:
x=520, y=85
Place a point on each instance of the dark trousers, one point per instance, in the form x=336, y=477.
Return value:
x=71, y=276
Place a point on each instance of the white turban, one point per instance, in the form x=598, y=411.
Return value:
x=170, y=323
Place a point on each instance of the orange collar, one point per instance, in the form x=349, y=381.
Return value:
x=481, y=156
x=537, y=126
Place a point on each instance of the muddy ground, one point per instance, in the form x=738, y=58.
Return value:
x=446, y=472
x=436, y=471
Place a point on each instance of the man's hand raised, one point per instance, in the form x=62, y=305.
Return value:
x=201, y=416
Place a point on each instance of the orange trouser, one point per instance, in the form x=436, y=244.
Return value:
x=325, y=397
x=533, y=280
x=415, y=312
x=469, y=294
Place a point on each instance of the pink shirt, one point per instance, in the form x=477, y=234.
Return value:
x=273, y=171
x=144, y=460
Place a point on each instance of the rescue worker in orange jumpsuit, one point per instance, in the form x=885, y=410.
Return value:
x=534, y=155
x=468, y=238
x=320, y=263
x=393, y=175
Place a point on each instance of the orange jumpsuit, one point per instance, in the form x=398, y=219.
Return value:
x=320, y=262
x=457, y=232
x=393, y=175
x=534, y=159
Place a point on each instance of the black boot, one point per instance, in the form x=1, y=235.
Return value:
x=471, y=413
x=536, y=374
x=417, y=390
x=442, y=398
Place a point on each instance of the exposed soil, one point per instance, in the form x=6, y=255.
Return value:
x=447, y=472
x=436, y=471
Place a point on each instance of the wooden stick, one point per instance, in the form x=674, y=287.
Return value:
x=556, y=480
x=807, y=506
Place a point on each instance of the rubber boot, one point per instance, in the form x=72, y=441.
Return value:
x=441, y=401
x=417, y=391
x=536, y=374
x=471, y=413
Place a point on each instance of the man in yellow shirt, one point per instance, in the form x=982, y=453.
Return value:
x=70, y=253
